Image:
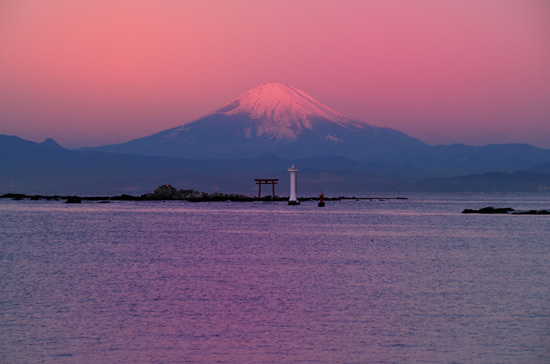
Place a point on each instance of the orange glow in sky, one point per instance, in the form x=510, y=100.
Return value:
x=95, y=72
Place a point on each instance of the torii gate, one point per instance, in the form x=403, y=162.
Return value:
x=266, y=181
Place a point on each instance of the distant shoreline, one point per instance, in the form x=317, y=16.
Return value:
x=201, y=197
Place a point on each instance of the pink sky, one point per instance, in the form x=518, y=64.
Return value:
x=95, y=72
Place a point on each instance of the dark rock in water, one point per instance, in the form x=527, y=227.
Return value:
x=489, y=210
x=14, y=196
x=125, y=197
x=73, y=199
x=532, y=212
x=492, y=210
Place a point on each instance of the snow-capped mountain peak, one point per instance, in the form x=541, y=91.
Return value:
x=272, y=118
x=283, y=111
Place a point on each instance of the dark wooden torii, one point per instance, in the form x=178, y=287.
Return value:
x=266, y=181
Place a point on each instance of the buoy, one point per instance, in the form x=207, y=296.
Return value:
x=321, y=202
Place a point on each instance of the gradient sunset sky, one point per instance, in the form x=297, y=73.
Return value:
x=95, y=72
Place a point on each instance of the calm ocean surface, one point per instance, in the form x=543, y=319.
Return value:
x=394, y=281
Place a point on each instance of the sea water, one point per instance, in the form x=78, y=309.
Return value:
x=358, y=281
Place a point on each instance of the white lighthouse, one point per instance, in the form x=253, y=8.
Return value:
x=293, y=200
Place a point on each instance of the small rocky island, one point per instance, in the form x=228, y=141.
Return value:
x=505, y=210
x=167, y=192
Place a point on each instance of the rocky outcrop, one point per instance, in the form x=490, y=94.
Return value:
x=532, y=212
x=489, y=210
x=73, y=199
x=167, y=192
x=505, y=210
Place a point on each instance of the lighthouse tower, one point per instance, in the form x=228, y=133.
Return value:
x=293, y=200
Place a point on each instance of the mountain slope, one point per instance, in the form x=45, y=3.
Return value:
x=273, y=118
x=520, y=181
x=458, y=159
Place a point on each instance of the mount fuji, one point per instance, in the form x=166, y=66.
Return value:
x=273, y=118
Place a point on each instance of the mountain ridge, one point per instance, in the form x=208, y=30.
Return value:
x=29, y=167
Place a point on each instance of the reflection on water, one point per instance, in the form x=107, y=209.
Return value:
x=358, y=281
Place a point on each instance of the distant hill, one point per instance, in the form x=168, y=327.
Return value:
x=458, y=159
x=520, y=181
x=47, y=168
x=542, y=168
